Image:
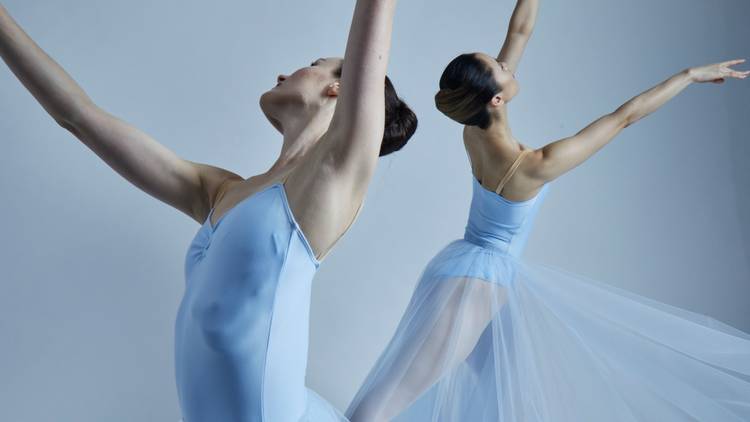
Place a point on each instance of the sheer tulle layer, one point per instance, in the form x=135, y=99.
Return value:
x=488, y=337
x=320, y=410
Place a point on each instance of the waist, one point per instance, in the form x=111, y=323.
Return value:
x=495, y=243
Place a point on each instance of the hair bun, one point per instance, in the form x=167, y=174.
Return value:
x=400, y=124
x=467, y=85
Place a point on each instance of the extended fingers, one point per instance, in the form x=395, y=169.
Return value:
x=733, y=62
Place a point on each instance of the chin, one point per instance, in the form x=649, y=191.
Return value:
x=267, y=107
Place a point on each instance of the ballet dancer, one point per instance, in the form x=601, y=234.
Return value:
x=241, y=333
x=489, y=336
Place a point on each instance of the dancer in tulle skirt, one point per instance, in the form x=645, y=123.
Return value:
x=241, y=333
x=488, y=336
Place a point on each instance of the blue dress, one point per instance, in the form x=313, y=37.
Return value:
x=489, y=336
x=241, y=333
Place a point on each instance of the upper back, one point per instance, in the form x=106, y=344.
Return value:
x=505, y=200
x=502, y=170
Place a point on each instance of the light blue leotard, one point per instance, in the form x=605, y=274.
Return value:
x=241, y=333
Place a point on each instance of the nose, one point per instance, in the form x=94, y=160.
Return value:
x=281, y=78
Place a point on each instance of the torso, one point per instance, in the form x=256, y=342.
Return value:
x=241, y=329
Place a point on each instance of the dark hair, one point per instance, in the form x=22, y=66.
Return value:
x=400, y=120
x=466, y=86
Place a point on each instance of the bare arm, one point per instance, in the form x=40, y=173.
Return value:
x=519, y=32
x=356, y=131
x=130, y=152
x=561, y=156
x=326, y=190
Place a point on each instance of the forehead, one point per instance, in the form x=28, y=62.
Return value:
x=487, y=60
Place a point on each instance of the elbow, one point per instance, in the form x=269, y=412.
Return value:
x=627, y=114
x=627, y=120
x=73, y=115
x=67, y=125
x=525, y=30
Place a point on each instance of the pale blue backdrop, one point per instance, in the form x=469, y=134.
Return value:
x=92, y=268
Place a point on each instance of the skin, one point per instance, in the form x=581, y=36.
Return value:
x=332, y=131
x=491, y=152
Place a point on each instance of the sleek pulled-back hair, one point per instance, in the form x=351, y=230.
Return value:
x=400, y=120
x=466, y=86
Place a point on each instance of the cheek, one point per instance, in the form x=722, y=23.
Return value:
x=307, y=80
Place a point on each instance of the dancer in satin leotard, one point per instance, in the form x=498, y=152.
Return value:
x=241, y=330
x=488, y=336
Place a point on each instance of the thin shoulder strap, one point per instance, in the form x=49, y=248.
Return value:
x=511, y=171
x=284, y=179
x=322, y=257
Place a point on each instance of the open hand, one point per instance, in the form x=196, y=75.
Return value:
x=718, y=72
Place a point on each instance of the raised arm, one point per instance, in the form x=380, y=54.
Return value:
x=563, y=155
x=519, y=32
x=147, y=164
x=356, y=130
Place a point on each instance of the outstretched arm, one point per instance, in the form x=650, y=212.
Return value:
x=133, y=154
x=561, y=156
x=356, y=131
x=519, y=32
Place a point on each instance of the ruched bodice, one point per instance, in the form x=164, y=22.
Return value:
x=499, y=223
x=241, y=334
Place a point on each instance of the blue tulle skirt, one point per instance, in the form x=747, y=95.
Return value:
x=489, y=337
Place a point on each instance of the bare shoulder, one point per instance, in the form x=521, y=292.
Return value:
x=214, y=181
x=531, y=168
x=526, y=182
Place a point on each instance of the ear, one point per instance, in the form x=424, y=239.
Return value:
x=497, y=101
x=333, y=89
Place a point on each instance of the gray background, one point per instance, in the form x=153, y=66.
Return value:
x=92, y=268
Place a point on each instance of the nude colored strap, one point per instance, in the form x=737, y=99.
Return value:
x=322, y=257
x=286, y=176
x=342, y=233
x=511, y=171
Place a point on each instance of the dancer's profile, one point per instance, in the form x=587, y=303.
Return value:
x=489, y=336
x=241, y=330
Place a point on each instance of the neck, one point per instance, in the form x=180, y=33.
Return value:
x=498, y=134
x=301, y=130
